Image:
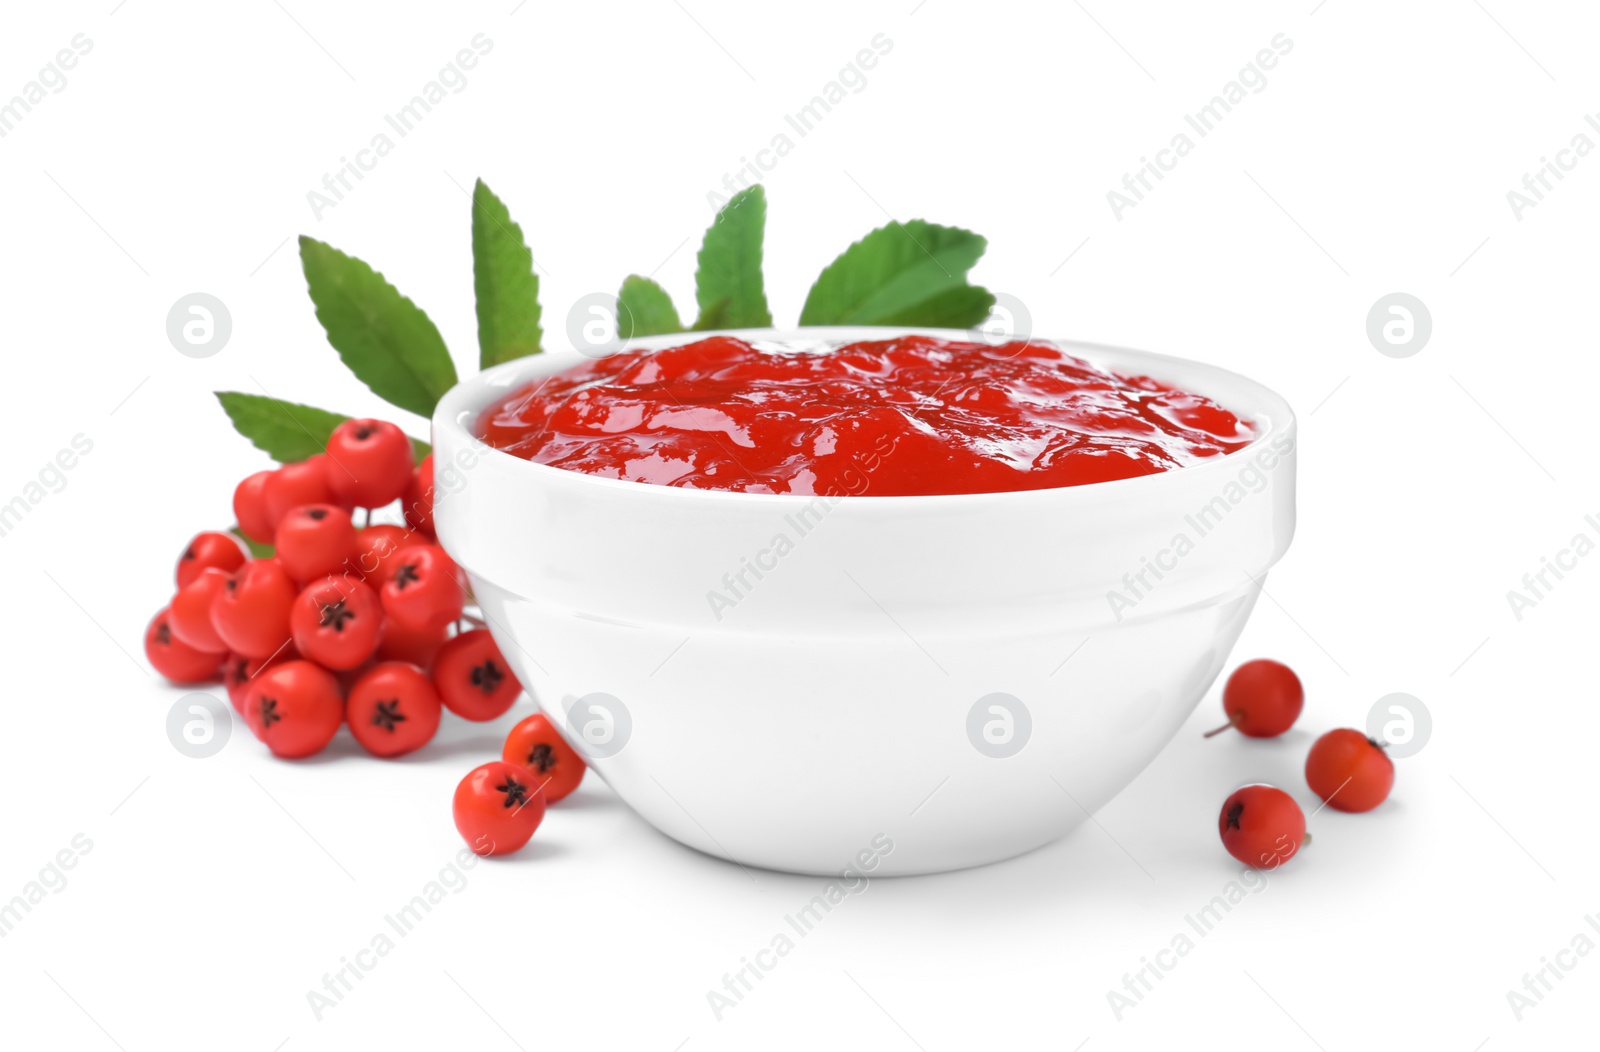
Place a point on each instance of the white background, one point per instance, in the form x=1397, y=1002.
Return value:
x=1377, y=159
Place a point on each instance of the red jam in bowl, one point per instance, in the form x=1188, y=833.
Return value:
x=896, y=417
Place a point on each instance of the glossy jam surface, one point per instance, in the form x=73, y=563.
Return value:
x=898, y=417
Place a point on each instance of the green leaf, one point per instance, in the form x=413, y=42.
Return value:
x=503, y=277
x=384, y=338
x=644, y=309
x=285, y=431
x=728, y=285
x=963, y=307
x=912, y=273
x=711, y=317
x=257, y=549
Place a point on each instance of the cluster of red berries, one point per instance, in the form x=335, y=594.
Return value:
x=1261, y=825
x=340, y=624
x=360, y=626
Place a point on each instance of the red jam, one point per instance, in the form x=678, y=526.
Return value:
x=913, y=415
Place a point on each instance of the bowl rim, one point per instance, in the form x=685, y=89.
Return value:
x=462, y=405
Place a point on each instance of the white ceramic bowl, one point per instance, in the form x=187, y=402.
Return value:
x=911, y=684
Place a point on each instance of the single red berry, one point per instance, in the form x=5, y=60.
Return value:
x=175, y=659
x=210, y=549
x=473, y=677
x=250, y=508
x=1262, y=826
x=537, y=745
x=497, y=807
x=417, y=648
x=376, y=547
x=1349, y=771
x=425, y=591
x=251, y=614
x=238, y=671
x=393, y=709
x=293, y=485
x=190, y=612
x=337, y=622
x=316, y=540
x=1262, y=699
x=419, y=498
x=371, y=462
x=295, y=708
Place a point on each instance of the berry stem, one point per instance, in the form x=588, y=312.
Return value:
x=1233, y=722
